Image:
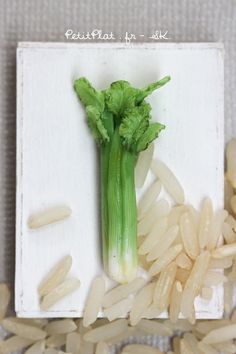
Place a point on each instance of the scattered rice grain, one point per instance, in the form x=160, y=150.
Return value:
x=48, y=216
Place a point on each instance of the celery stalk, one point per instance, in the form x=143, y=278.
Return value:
x=119, y=119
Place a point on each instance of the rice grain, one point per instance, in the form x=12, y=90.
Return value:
x=58, y=293
x=120, y=309
x=162, y=292
x=157, y=210
x=48, y=216
x=194, y=283
x=36, y=348
x=141, y=303
x=149, y=198
x=166, y=258
x=220, y=335
x=168, y=180
x=56, y=276
x=154, y=236
x=175, y=301
x=56, y=340
x=104, y=333
x=166, y=240
x=205, y=225
x=94, y=301
x=122, y=291
x=143, y=165
x=73, y=343
x=217, y=227
x=189, y=235
x=60, y=326
x=154, y=328
x=23, y=330
x=14, y=344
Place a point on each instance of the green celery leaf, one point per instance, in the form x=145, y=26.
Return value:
x=88, y=95
x=149, y=135
x=134, y=123
x=96, y=125
x=120, y=96
x=146, y=91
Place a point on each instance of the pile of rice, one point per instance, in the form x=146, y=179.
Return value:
x=185, y=254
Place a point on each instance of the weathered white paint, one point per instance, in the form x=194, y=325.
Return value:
x=56, y=155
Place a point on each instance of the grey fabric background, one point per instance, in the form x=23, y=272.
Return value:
x=47, y=20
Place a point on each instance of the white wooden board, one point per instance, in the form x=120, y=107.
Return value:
x=56, y=155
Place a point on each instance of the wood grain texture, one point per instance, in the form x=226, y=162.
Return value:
x=57, y=160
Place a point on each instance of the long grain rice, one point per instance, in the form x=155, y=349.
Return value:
x=166, y=240
x=94, y=301
x=48, y=216
x=189, y=235
x=122, y=291
x=157, y=210
x=140, y=349
x=5, y=297
x=217, y=227
x=169, y=181
x=23, y=330
x=141, y=303
x=183, y=261
x=102, y=348
x=36, y=348
x=56, y=276
x=205, y=326
x=205, y=225
x=162, y=292
x=154, y=236
x=154, y=328
x=166, y=258
x=56, y=340
x=231, y=161
x=58, y=293
x=181, y=325
x=149, y=197
x=175, y=301
x=220, y=335
x=194, y=283
x=106, y=332
x=120, y=309
x=73, y=343
x=224, y=251
x=14, y=344
x=60, y=327
x=143, y=165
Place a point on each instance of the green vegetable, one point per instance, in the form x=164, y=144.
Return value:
x=119, y=119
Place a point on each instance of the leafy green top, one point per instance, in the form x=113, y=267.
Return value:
x=123, y=107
